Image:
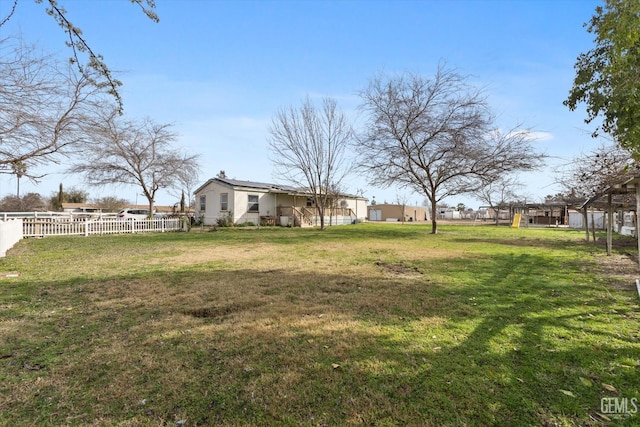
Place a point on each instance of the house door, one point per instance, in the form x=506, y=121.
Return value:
x=375, y=214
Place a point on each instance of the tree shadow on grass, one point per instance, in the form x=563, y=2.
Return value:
x=521, y=342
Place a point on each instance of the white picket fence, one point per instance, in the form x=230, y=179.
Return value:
x=43, y=227
x=16, y=226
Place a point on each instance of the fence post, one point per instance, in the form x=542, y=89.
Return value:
x=86, y=227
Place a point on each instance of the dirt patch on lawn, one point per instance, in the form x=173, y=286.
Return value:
x=223, y=310
x=397, y=269
x=621, y=271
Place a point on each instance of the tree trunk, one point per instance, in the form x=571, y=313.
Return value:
x=321, y=215
x=151, y=207
x=610, y=225
x=434, y=216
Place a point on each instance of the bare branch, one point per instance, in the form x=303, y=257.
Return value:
x=10, y=14
x=44, y=107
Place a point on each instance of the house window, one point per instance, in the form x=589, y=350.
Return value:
x=203, y=203
x=253, y=203
x=224, y=201
x=309, y=201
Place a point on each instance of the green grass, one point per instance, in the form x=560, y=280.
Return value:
x=358, y=325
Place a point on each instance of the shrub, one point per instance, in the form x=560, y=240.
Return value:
x=225, y=221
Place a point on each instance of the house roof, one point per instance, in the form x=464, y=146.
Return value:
x=236, y=183
x=272, y=188
x=261, y=185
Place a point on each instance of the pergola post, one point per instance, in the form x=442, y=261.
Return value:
x=585, y=215
x=610, y=224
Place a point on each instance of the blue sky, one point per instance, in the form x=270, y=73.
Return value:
x=219, y=70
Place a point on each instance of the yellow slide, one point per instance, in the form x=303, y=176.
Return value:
x=516, y=220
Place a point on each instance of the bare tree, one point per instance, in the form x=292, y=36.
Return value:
x=402, y=200
x=135, y=153
x=30, y=202
x=500, y=193
x=110, y=203
x=436, y=136
x=592, y=173
x=43, y=108
x=187, y=181
x=308, y=149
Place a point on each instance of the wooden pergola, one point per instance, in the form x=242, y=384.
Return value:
x=626, y=188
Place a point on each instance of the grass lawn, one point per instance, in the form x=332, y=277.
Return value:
x=367, y=324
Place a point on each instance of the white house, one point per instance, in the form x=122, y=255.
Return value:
x=262, y=203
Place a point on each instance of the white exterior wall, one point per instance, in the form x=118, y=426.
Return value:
x=449, y=214
x=576, y=220
x=212, y=205
x=359, y=207
x=241, y=202
x=239, y=207
x=10, y=234
x=238, y=204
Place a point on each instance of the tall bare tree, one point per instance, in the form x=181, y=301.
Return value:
x=138, y=153
x=44, y=106
x=436, y=136
x=308, y=148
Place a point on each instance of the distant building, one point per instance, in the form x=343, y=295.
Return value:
x=397, y=213
x=81, y=208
